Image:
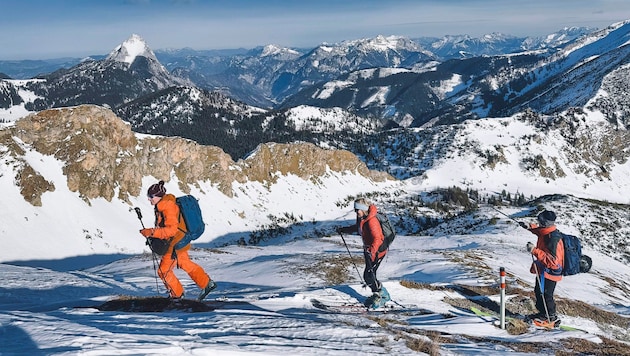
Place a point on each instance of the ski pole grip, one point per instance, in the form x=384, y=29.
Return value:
x=139, y=213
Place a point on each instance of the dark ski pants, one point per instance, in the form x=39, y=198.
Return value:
x=548, y=288
x=369, y=274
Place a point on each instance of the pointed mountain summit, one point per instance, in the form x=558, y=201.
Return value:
x=129, y=72
x=133, y=47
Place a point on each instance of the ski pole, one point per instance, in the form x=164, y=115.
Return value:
x=139, y=213
x=354, y=264
x=504, y=214
x=541, y=287
x=157, y=287
x=497, y=210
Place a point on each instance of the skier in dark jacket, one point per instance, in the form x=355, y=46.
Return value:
x=368, y=226
x=549, y=253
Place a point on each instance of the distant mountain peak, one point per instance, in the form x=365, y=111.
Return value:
x=133, y=47
x=273, y=50
x=381, y=43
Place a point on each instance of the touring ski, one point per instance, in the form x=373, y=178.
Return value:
x=537, y=323
x=350, y=307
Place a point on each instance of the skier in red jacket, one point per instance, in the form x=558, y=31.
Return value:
x=368, y=226
x=549, y=254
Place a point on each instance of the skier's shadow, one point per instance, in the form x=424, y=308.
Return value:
x=350, y=291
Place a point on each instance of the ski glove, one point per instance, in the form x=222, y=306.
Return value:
x=146, y=232
x=530, y=247
x=523, y=225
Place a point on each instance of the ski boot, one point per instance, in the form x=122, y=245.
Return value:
x=384, y=298
x=551, y=323
x=209, y=288
x=378, y=299
x=372, y=300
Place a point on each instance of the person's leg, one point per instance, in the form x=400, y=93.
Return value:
x=540, y=306
x=196, y=272
x=550, y=287
x=369, y=273
x=166, y=273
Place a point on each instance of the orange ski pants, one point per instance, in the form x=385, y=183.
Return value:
x=167, y=273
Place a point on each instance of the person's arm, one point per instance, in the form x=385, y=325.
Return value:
x=170, y=211
x=350, y=229
x=376, y=233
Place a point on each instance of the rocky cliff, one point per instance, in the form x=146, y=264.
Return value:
x=102, y=157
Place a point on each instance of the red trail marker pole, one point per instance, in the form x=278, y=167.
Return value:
x=502, y=314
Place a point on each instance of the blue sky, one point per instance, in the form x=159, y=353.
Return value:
x=35, y=29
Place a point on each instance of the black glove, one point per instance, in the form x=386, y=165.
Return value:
x=530, y=247
x=523, y=225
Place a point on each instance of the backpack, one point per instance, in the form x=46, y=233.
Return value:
x=388, y=231
x=190, y=211
x=574, y=262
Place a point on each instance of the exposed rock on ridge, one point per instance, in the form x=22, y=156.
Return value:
x=103, y=157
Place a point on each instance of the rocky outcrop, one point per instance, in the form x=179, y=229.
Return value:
x=102, y=157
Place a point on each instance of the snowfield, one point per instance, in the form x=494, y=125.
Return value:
x=264, y=296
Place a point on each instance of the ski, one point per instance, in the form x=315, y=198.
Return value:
x=350, y=307
x=537, y=323
x=495, y=317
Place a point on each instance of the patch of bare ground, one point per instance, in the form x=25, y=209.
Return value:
x=425, y=341
x=333, y=269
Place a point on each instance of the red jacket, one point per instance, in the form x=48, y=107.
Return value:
x=167, y=222
x=549, y=252
x=371, y=233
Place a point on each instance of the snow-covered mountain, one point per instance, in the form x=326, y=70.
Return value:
x=262, y=80
x=493, y=44
x=479, y=87
x=130, y=71
x=387, y=77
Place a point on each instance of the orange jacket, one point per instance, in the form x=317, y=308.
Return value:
x=548, y=252
x=371, y=233
x=168, y=223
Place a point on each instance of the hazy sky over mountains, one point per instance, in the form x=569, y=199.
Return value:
x=38, y=29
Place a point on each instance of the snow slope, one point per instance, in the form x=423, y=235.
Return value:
x=52, y=310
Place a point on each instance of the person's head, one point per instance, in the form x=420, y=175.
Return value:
x=361, y=206
x=156, y=192
x=546, y=218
